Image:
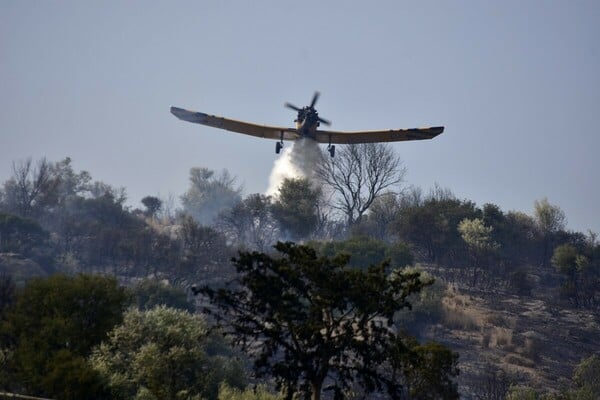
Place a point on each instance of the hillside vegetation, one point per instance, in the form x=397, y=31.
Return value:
x=516, y=296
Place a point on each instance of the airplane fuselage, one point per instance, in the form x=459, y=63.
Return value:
x=307, y=129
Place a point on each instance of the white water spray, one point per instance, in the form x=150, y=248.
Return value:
x=297, y=161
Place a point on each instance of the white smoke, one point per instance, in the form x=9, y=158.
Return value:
x=297, y=161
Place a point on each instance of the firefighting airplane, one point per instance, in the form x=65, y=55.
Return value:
x=307, y=124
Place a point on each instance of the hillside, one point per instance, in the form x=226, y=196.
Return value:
x=505, y=339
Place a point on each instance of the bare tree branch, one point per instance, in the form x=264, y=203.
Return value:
x=358, y=174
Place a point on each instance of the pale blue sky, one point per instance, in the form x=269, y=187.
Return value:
x=516, y=83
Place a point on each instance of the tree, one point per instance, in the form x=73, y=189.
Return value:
x=319, y=321
x=296, y=208
x=209, y=194
x=519, y=243
x=55, y=323
x=358, y=174
x=365, y=251
x=430, y=371
x=257, y=393
x=150, y=293
x=587, y=379
x=378, y=222
x=7, y=294
x=70, y=183
x=432, y=227
x=492, y=384
x=581, y=268
x=250, y=223
x=152, y=204
x=25, y=237
x=427, y=306
x=478, y=238
x=30, y=188
x=521, y=393
x=204, y=250
x=550, y=219
x=100, y=232
x=163, y=353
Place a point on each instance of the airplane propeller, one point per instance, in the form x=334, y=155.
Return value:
x=293, y=107
x=314, y=100
x=311, y=107
x=324, y=121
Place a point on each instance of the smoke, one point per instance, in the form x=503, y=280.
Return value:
x=297, y=161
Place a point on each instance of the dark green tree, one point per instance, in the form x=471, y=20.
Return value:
x=152, y=204
x=320, y=322
x=204, y=250
x=581, y=268
x=7, y=294
x=550, y=219
x=479, y=241
x=519, y=238
x=432, y=228
x=296, y=208
x=429, y=370
x=365, y=251
x=150, y=293
x=587, y=379
x=55, y=322
x=26, y=238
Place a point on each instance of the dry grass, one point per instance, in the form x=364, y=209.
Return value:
x=497, y=337
x=501, y=321
x=532, y=348
x=458, y=314
x=515, y=359
x=503, y=337
x=456, y=319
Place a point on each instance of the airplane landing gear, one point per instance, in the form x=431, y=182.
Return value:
x=279, y=145
x=331, y=150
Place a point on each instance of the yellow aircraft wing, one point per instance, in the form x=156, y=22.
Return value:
x=262, y=131
x=392, y=135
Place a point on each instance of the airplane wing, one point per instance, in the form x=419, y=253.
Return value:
x=392, y=135
x=262, y=131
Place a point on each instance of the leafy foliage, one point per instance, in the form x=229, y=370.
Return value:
x=365, y=251
x=202, y=249
x=296, y=208
x=581, y=267
x=257, y=393
x=54, y=324
x=150, y=293
x=162, y=354
x=318, y=320
x=26, y=238
x=587, y=379
x=152, y=204
x=432, y=227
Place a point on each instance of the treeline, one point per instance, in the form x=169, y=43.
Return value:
x=63, y=220
x=54, y=219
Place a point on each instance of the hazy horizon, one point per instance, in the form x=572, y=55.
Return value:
x=515, y=84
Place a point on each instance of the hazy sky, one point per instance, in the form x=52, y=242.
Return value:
x=516, y=83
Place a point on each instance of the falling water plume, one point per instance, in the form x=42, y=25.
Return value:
x=297, y=161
